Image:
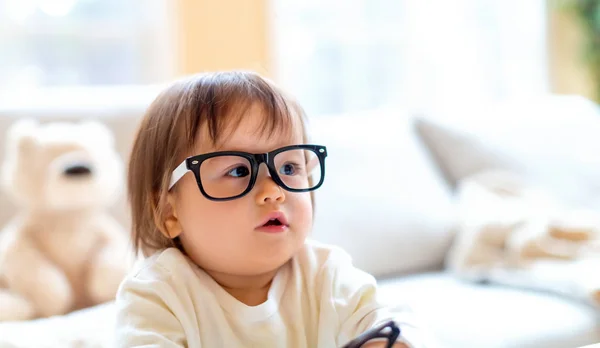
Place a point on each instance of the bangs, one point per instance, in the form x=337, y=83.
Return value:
x=218, y=103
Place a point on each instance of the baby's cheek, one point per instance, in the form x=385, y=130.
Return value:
x=304, y=211
x=200, y=214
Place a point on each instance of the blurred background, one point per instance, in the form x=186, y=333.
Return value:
x=449, y=125
x=335, y=56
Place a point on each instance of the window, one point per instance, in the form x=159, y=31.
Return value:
x=83, y=42
x=338, y=56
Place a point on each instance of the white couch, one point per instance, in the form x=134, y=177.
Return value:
x=387, y=199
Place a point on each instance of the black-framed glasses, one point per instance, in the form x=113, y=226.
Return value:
x=388, y=331
x=227, y=175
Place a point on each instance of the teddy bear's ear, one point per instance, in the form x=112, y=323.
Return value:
x=100, y=131
x=21, y=144
x=22, y=137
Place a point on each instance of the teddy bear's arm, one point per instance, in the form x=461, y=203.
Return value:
x=29, y=273
x=112, y=261
x=15, y=307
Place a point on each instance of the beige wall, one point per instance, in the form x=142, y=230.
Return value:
x=222, y=35
x=568, y=75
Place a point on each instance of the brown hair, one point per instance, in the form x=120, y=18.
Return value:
x=169, y=129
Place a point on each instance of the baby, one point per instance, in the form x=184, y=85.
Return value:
x=228, y=263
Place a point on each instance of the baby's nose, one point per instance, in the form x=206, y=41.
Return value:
x=268, y=191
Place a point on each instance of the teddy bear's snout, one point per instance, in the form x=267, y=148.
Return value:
x=78, y=170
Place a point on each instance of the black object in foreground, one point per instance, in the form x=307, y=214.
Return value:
x=388, y=330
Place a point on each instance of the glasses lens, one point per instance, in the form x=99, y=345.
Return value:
x=298, y=168
x=225, y=176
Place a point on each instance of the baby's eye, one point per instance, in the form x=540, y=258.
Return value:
x=288, y=169
x=239, y=172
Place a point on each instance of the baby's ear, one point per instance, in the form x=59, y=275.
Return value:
x=168, y=222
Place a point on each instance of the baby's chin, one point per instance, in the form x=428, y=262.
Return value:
x=248, y=254
x=276, y=254
x=255, y=267
x=269, y=255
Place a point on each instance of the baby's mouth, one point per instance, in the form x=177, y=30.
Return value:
x=273, y=222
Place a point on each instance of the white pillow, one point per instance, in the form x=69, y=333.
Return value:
x=382, y=200
x=553, y=141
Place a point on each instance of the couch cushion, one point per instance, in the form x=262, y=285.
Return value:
x=462, y=314
x=89, y=328
x=382, y=199
x=552, y=141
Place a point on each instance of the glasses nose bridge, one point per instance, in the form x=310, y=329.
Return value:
x=263, y=158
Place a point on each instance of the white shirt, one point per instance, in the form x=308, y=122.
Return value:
x=318, y=299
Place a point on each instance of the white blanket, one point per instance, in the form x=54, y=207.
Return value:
x=515, y=234
x=88, y=328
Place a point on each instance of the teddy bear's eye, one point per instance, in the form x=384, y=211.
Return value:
x=78, y=170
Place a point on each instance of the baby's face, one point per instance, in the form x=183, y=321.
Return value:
x=229, y=237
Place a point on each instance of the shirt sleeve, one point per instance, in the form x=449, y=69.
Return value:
x=145, y=315
x=358, y=307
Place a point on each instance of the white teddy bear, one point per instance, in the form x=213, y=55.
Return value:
x=63, y=251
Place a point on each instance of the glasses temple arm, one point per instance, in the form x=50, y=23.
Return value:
x=178, y=173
